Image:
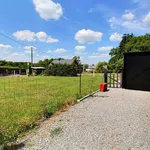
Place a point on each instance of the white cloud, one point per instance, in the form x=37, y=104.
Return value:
x=49, y=51
x=42, y=36
x=20, y=57
x=5, y=47
x=25, y=35
x=17, y=54
x=80, y=53
x=128, y=16
x=60, y=50
x=52, y=40
x=146, y=19
x=101, y=8
x=114, y=22
x=48, y=9
x=95, y=53
x=80, y=48
x=105, y=48
x=28, y=48
x=98, y=56
x=135, y=26
x=115, y=37
x=88, y=36
x=128, y=23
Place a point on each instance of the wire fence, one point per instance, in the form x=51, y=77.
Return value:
x=24, y=100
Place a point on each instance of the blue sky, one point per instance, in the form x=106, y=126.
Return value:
x=65, y=28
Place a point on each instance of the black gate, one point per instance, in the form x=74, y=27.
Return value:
x=114, y=80
x=136, y=73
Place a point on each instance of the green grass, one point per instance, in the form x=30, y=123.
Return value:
x=24, y=100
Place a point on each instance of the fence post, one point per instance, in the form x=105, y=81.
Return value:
x=110, y=80
x=80, y=85
x=121, y=79
x=113, y=80
x=117, y=80
x=105, y=77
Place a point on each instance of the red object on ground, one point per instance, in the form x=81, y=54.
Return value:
x=103, y=87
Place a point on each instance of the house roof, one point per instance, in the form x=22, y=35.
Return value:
x=64, y=61
x=38, y=68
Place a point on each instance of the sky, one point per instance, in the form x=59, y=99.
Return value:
x=67, y=28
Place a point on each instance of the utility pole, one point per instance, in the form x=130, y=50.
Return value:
x=31, y=56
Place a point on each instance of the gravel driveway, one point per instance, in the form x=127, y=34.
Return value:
x=115, y=120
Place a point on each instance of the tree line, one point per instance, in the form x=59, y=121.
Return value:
x=129, y=43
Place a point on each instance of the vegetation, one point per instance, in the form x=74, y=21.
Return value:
x=8, y=67
x=24, y=100
x=64, y=69
x=56, y=131
x=129, y=43
x=61, y=70
x=44, y=63
x=13, y=65
x=100, y=68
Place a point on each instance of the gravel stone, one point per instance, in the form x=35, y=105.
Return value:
x=115, y=120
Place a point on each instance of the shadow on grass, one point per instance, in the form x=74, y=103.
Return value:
x=14, y=147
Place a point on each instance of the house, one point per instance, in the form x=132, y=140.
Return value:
x=91, y=68
x=64, y=67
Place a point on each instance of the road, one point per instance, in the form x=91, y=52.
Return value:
x=115, y=120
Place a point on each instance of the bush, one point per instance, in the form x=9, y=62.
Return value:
x=63, y=70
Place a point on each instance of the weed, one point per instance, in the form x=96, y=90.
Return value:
x=56, y=131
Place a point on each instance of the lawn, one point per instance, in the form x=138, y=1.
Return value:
x=24, y=100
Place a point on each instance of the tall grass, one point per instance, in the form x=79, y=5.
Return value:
x=24, y=100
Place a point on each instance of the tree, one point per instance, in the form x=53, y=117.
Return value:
x=100, y=67
x=85, y=66
x=129, y=43
x=44, y=63
x=65, y=69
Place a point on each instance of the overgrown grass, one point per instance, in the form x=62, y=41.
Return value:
x=24, y=100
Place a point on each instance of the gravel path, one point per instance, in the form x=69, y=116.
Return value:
x=116, y=120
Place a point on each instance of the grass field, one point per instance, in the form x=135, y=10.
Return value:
x=24, y=100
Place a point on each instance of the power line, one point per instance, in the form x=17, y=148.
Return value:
x=19, y=43
x=11, y=39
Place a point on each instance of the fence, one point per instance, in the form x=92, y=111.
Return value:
x=114, y=80
x=24, y=100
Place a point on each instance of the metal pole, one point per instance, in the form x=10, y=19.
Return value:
x=31, y=60
x=117, y=80
x=31, y=57
x=113, y=80
x=80, y=84
x=110, y=79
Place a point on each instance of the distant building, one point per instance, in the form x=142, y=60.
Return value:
x=64, y=67
x=63, y=61
x=37, y=70
x=7, y=70
x=91, y=68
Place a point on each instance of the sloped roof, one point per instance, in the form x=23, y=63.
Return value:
x=65, y=61
x=38, y=68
